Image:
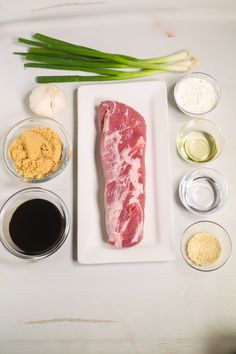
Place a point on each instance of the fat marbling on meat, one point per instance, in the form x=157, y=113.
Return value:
x=122, y=150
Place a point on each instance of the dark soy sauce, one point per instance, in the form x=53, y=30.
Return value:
x=35, y=226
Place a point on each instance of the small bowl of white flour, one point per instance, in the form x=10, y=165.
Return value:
x=197, y=93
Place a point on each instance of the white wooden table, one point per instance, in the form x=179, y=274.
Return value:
x=59, y=306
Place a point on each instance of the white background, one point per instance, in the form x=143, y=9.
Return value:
x=59, y=306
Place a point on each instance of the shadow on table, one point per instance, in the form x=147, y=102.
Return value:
x=222, y=344
x=171, y=98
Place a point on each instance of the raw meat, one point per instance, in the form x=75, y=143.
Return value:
x=122, y=149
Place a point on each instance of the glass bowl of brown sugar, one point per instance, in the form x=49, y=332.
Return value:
x=36, y=150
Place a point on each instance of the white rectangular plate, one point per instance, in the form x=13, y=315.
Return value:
x=150, y=99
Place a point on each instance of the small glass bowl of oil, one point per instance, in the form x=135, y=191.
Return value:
x=200, y=141
x=203, y=191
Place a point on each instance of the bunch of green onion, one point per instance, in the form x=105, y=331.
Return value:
x=50, y=53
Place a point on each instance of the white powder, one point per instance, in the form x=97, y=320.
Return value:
x=196, y=95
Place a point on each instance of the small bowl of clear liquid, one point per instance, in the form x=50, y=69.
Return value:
x=200, y=141
x=203, y=191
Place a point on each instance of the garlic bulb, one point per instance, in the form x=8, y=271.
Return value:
x=47, y=100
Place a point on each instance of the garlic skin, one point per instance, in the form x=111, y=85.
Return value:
x=47, y=100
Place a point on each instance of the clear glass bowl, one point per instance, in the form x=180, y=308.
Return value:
x=200, y=141
x=203, y=191
x=30, y=123
x=14, y=202
x=213, y=228
x=202, y=76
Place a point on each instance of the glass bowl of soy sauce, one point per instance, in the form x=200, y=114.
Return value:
x=34, y=223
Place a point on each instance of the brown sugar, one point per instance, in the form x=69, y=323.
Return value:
x=36, y=153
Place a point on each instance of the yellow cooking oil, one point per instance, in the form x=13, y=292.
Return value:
x=197, y=146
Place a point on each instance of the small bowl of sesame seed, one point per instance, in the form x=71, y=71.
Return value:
x=205, y=246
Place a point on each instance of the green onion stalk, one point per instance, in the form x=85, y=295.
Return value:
x=50, y=53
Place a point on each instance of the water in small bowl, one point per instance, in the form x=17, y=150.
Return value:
x=203, y=191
